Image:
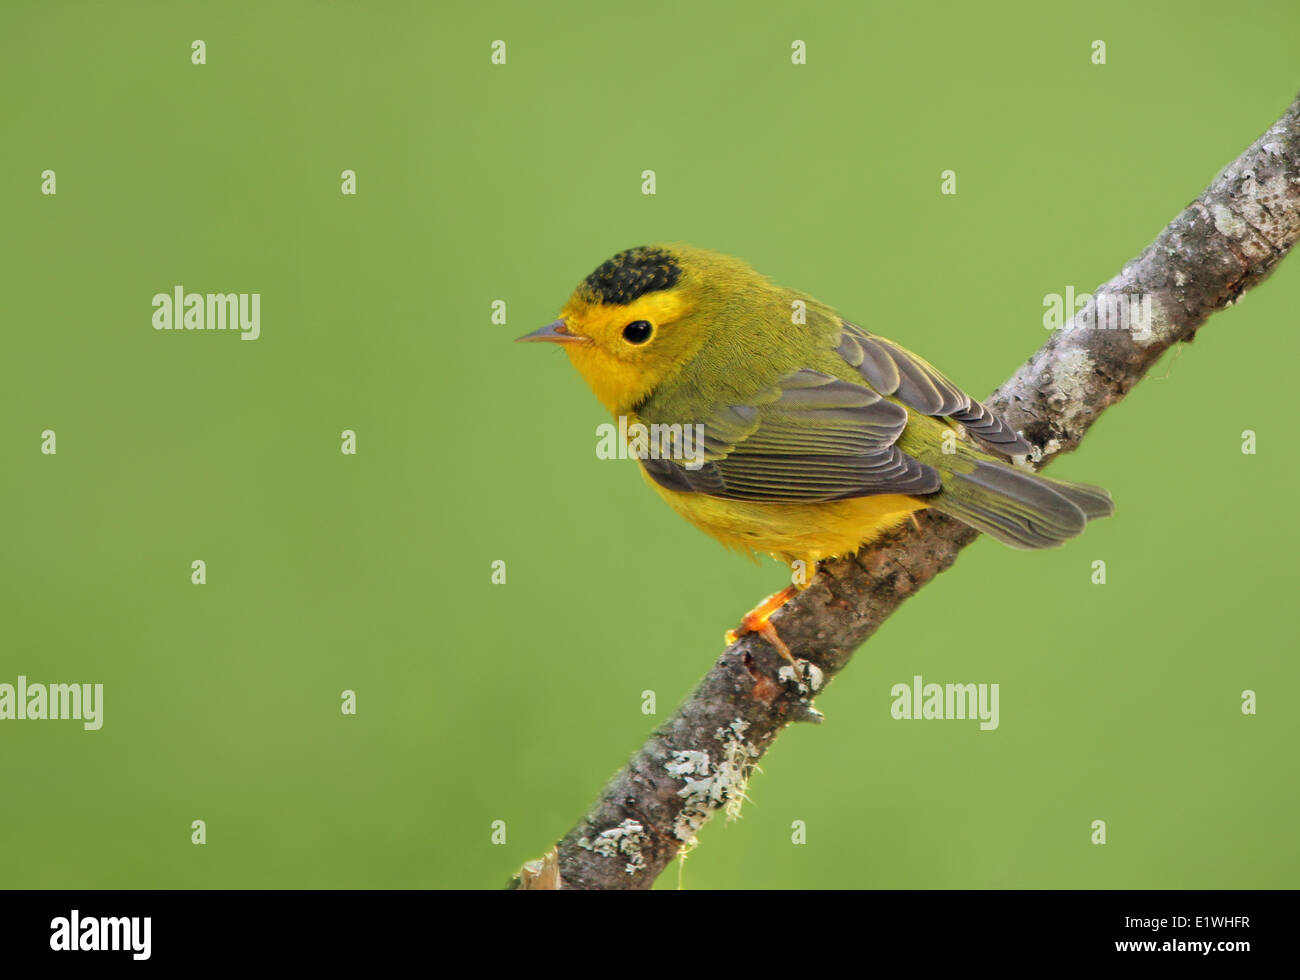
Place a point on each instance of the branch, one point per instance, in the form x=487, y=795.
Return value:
x=1227, y=241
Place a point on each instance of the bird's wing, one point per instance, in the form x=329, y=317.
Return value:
x=892, y=370
x=809, y=437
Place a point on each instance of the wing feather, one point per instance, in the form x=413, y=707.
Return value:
x=812, y=437
x=893, y=370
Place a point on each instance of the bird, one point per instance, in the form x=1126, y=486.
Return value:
x=787, y=430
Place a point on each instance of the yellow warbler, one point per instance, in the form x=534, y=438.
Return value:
x=786, y=429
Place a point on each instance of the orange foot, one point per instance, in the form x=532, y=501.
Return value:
x=756, y=621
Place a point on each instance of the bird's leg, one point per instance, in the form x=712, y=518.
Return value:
x=757, y=621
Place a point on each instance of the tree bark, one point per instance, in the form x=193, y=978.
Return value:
x=1225, y=242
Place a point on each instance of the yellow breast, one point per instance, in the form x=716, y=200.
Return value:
x=790, y=532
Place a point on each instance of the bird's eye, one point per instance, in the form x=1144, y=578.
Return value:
x=638, y=332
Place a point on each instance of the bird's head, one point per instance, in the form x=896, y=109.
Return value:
x=643, y=314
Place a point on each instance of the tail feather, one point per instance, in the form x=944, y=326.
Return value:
x=1018, y=508
x=1093, y=501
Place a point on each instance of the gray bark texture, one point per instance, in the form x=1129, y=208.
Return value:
x=1225, y=242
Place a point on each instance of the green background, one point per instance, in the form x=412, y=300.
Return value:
x=481, y=702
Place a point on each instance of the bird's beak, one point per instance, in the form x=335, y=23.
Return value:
x=557, y=333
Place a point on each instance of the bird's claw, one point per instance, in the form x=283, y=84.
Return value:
x=757, y=620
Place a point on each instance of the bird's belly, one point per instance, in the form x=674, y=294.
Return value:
x=789, y=532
